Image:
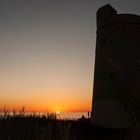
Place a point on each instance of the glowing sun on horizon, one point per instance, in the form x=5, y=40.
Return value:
x=57, y=112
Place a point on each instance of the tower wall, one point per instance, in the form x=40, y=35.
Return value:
x=116, y=91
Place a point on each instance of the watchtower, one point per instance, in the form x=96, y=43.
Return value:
x=116, y=91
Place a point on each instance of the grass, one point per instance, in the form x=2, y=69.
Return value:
x=20, y=126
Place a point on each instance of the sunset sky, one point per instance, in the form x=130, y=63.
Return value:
x=47, y=52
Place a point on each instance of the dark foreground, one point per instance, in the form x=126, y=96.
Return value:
x=45, y=128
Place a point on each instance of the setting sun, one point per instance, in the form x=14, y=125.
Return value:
x=57, y=112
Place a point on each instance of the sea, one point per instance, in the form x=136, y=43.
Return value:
x=71, y=115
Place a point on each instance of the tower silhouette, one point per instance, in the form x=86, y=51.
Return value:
x=116, y=91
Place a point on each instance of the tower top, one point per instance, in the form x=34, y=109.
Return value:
x=107, y=15
x=104, y=14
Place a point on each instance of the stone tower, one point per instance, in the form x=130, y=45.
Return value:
x=116, y=91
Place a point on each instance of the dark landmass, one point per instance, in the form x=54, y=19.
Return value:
x=47, y=127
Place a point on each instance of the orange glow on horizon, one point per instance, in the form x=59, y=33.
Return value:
x=69, y=107
x=39, y=101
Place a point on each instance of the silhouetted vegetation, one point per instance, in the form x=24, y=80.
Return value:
x=22, y=126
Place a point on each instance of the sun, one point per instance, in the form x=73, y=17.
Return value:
x=57, y=112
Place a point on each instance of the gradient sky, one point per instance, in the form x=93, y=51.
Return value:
x=47, y=52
